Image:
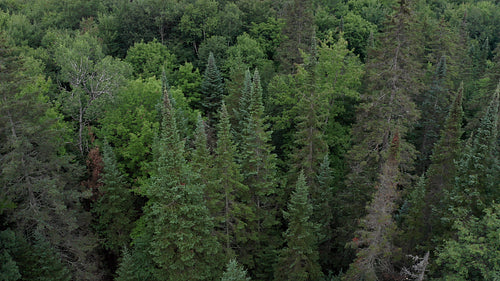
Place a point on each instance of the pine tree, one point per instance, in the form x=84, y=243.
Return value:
x=375, y=239
x=234, y=272
x=299, y=259
x=114, y=208
x=322, y=200
x=212, y=89
x=39, y=179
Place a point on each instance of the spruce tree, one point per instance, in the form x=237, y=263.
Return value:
x=258, y=166
x=212, y=89
x=434, y=102
x=478, y=169
x=227, y=190
x=299, y=259
x=393, y=79
x=114, y=208
x=375, y=240
x=181, y=243
x=442, y=171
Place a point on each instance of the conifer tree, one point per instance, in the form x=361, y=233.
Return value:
x=299, y=259
x=227, y=189
x=114, y=208
x=442, y=171
x=478, y=169
x=375, y=239
x=234, y=272
x=298, y=27
x=181, y=243
x=434, y=102
x=322, y=200
x=393, y=79
x=212, y=89
x=258, y=166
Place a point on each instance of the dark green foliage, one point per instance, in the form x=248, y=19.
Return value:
x=176, y=220
x=227, y=190
x=114, y=207
x=39, y=178
x=476, y=183
x=299, y=259
x=24, y=261
x=297, y=33
x=434, y=104
x=387, y=108
x=212, y=90
x=258, y=166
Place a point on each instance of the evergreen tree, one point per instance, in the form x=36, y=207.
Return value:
x=442, y=171
x=476, y=183
x=473, y=254
x=259, y=174
x=297, y=31
x=181, y=244
x=299, y=259
x=227, y=190
x=114, y=208
x=393, y=79
x=234, y=272
x=322, y=200
x=433, y=102
x=40, y=193
x=212, y=89
x=375, y=239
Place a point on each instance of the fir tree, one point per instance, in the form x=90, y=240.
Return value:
x=299, y=259
x=434, y=102
x=212, y=89
x=442, y=171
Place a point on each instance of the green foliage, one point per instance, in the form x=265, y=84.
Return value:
x=150, y=59
x=176, y=218
x=473, y=254
x=212, y=89
x=114, y=208
x=91, y=78
x=258, y=166
x=234, y=272
x=129, y=124
x=299, y=260
x=38, y=175
x=227, y=190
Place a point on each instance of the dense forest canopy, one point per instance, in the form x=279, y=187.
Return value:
x=249, y=140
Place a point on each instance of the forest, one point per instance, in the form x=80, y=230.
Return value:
x=237, y=140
